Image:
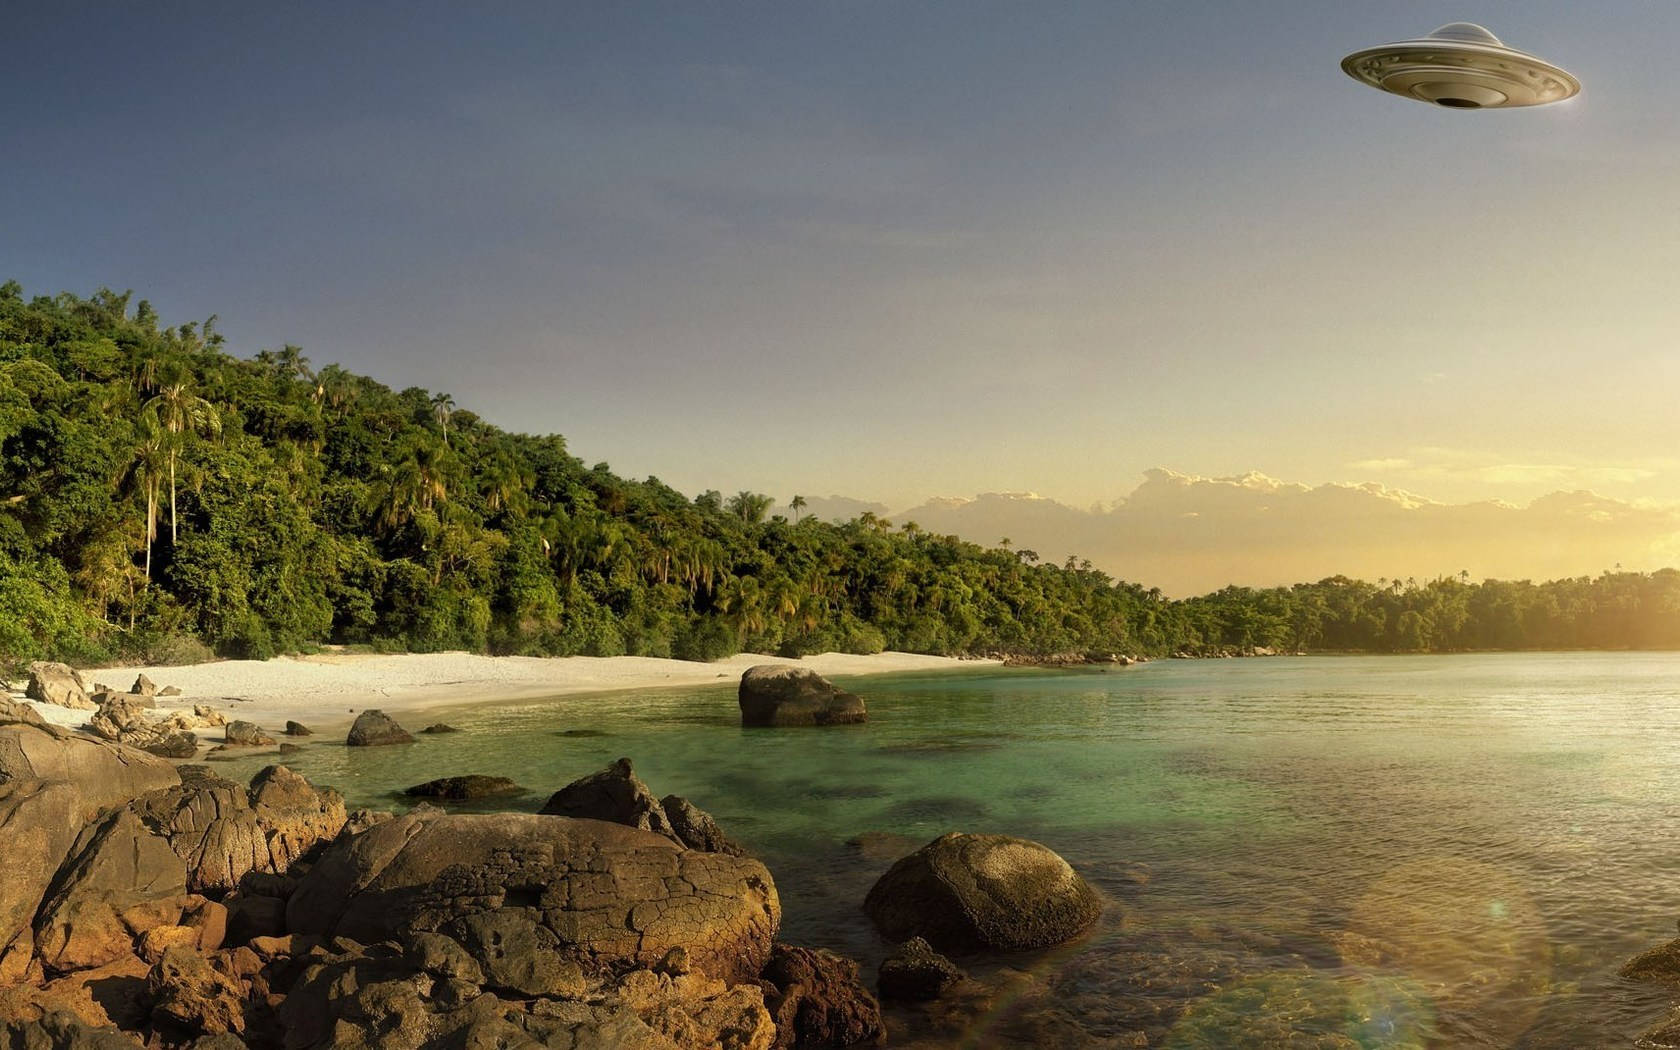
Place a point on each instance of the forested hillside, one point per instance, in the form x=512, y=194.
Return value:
x=162, y=499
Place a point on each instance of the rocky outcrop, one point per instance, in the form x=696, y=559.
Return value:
x=816, y=1000
x=618, y=795
x=983, y=892
x=53, y=683
x=600, y=896
x=373, y=728
x=240, y=733
x=104, y=774
x=14, y=711
x=39, y=822
x=464, y=788
x=778, y=695
x=191, y=997
x=914, y=972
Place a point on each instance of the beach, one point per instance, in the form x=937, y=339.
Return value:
x=327, y=690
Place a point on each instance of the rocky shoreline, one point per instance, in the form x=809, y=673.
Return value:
x=157, y=904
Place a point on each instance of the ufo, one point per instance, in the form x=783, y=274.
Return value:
x=1461, y=66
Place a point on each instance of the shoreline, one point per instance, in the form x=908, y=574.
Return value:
x=327, y=690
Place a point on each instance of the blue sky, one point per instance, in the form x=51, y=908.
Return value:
x=890, y=249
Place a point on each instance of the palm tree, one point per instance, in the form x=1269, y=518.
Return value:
x=181, y=412
x=796, y=504
x=146, y=472
x=443, y=406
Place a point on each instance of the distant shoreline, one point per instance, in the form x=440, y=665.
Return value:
x=327, y=690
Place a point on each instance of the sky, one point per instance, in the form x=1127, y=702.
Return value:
x=897, y=250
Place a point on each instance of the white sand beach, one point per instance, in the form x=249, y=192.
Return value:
x=327, y=690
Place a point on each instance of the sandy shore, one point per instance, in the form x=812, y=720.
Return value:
x=325, y=691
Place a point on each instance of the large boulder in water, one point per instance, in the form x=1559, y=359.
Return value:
x=599, y=897
x=778, y=695
x=58, y=684
x=983, y=892
x=374, y=728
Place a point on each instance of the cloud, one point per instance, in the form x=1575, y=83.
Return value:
x=1189, y=534
x=1487, y=468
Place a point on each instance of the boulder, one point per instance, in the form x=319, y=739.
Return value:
x=374, y=728
x=53, y=683
x=464, y=788
x=1661, y=964
x=439, y=727
x=983, y=892
x=778, y=695
x=240, y=733
x=173, y=744
x=618, y=795
x=16, y=711
x=914, y=972
x=39, y=822
x=815, y=998
x=191, y=996
x=599, y=895
x=298, y=729
x=144, y=686
x=170, y=690
x=105, y=774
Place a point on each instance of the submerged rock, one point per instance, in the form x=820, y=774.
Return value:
x=599, y=895
x=916, y=973
x=374, y=728
x=1661, y=963
x=778, y=695
x=240, y=733
x=439, y=727
x=977, y=892
x=298, y=729
x=464, y=788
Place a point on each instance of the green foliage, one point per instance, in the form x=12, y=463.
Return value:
x=162, y=499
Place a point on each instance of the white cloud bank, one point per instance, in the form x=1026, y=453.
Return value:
x=1188, y=534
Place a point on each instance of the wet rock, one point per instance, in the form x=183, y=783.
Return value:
x=978, y=892
x=916, y=973
x=816, y=1000
x=615, y=794
x=240, y=733
x=1661, y=963
x=464, y=788
x=778, y=695
x=373, y=728
x=1664, y=1035
x=54, y=683
x=610, y=896
x=298, y=729
x=439, y=727
x=191, y=996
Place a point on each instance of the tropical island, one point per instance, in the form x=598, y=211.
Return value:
x=163, y=501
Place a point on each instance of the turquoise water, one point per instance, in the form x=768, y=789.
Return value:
x=1446, y=851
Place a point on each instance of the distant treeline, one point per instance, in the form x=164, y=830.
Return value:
x=163, y=500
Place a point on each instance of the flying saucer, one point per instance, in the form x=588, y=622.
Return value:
x=1461, y=66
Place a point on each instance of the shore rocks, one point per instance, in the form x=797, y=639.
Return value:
x=104, y=774
x=439, y=727
x=54, y=683
x=464, y=788
x=240, y=733
x=374, y=728
x=914, y=972
x=596, y=894
x=983, y=892
x=616, y=794
x=41, y=820
x=143, y=686
x=1661, y=963
x=778, y=695
x=815, y=998
x=298, y=729
x=191, y=996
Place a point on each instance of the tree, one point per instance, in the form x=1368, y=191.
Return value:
x=796, y=505
x=182, y=414
x=443, y=406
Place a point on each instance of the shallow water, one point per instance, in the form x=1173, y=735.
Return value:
x=1445, y=851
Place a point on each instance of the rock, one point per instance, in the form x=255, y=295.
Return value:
x=189, y=995
x=691, y=1012
x=53, y=683
x=251, y=919
x=105, y=774
x=39, y=821
x=816, y=1000
x=1661, y=963
x=916, y=973
x=976, y=892
x=695, y=828
x=518, y=955
x=439, y=727
x=240, y=733
x=159, y=939
x=173, y=744
x=63, y=1031
x=778, y=695
x=120, y=881
x=143, y=686
x=374, y=728
x=608, y=896
x=298, y=729
x=1664, y=1035
x=16, y=711
x=209, y=919
x=444, y=957
x=615, y=794
x=464, y=788
x=169, y=690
